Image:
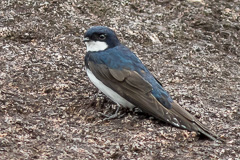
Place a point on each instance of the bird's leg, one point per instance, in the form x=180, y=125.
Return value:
x=115, y=115
x=137, y=110
x=94, y=100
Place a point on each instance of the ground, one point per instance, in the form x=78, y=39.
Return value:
x=50, y=110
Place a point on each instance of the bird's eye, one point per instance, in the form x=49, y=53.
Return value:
x=102, y=36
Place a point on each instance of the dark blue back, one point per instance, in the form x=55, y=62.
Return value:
x=120, y=57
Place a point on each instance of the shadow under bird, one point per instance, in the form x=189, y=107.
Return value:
x=119, y=74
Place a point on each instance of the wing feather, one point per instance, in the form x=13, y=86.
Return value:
x=131, y=86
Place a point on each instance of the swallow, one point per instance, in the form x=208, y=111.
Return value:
x=117, y=72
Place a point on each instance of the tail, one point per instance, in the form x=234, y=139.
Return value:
x=181, y=118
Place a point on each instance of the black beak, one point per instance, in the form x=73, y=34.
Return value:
x=86, y=39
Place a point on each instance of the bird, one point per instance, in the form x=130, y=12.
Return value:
x=117, y=72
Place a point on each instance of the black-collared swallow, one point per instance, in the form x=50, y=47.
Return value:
x=119, y=74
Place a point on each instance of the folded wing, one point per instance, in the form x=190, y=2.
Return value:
x=131, y=86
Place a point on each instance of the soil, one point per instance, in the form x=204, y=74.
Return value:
x=50, y=110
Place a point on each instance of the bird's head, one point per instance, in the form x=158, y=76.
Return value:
x=99, y=38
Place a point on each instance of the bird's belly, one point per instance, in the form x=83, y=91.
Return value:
x=114, y=96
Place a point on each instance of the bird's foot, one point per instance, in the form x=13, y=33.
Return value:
x=113, y=116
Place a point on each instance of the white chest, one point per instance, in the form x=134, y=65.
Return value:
x=108, y=91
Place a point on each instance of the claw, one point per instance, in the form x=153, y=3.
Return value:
x=113, y=116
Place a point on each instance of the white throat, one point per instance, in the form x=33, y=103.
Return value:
x=95, y=46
